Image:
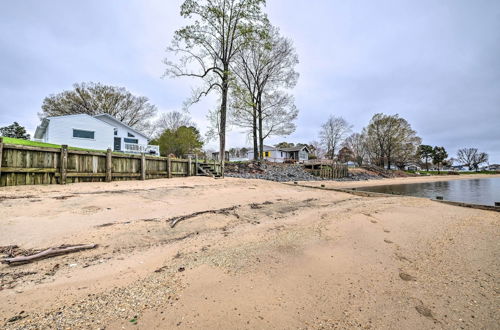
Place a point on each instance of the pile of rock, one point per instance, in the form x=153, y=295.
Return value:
x=281, y=172
x=272, y=172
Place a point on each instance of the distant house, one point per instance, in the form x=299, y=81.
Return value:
x=460, y=168
x=412, y=167
x=98, y=132
x=493, y=167
x=280, y=155
x=215, y=156
x=229, y=157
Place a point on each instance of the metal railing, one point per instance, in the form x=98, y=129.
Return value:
x=140, y=148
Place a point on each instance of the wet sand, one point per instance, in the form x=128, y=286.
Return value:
x=277, y=256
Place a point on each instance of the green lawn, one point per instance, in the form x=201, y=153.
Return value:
x=42, y=144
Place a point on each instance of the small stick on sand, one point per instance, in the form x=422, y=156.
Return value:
x=175, y=220
x=51, y=252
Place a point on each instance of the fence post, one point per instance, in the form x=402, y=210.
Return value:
x=143, y=166
x=64, y=163
x=189, y=166
x=109, y=164
x=169, y=167
x=1, y=152
x=196, y=165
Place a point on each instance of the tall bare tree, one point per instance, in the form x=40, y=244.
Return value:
x=264, y=69
x=96, y=98
x=206, y=48
x=333, y=133
x=172, y=121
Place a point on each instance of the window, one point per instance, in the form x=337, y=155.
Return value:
x=81, y=134
x=131, y=140
x=116, y=131
x=130, y=135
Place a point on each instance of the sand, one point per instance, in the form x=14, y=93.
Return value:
x=282, y=256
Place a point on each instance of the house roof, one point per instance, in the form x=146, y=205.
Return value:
x=119, y=122
x=299, y=148
x=292, y=149
x=42, y=128
x=266, y=148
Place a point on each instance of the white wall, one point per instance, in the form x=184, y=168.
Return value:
x=122, y=132
x=60, y=131
x=303, y=155
x=276, y=156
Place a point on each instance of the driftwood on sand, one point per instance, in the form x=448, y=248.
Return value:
x=51, y=252
x=173, y=221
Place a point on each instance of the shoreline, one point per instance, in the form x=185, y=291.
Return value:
x=395, y=181
x=282, y=256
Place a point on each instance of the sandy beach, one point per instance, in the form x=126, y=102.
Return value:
x=267, y=256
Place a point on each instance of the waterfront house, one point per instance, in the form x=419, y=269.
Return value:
x=98, y=132
x=280, y=155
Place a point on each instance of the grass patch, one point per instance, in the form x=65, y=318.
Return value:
x=43, y=144
x=29, y=143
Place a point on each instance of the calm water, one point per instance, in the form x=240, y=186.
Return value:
x=474, y=191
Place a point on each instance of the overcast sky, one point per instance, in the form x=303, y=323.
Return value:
x=436, y=63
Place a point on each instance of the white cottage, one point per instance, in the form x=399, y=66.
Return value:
x=281, y=155
x=98, y=132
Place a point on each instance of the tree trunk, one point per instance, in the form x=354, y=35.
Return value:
x=333, y=156
x=254, y=132
x=261, y=138
x=223, y=111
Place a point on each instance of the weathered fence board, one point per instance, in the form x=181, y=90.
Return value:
x=28, y=165
x=329, y=171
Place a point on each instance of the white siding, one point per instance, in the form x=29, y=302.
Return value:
x=276, y=156
x=303, y=155
x=60, y=131
x=122, y=132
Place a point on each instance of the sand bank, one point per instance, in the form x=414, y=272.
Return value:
x=283, y=257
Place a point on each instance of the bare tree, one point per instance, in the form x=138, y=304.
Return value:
x=219, y=31
x=263, y=69
x=317, y=149
x=471, y=157
x=172, y=120
x=277, y=113
x=96, y=98
x=356, y=142
x=332, y=134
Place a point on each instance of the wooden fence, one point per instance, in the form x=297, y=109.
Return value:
x=21, y=165
x=328, y=171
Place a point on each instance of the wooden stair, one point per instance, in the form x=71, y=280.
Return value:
x=206, y=170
